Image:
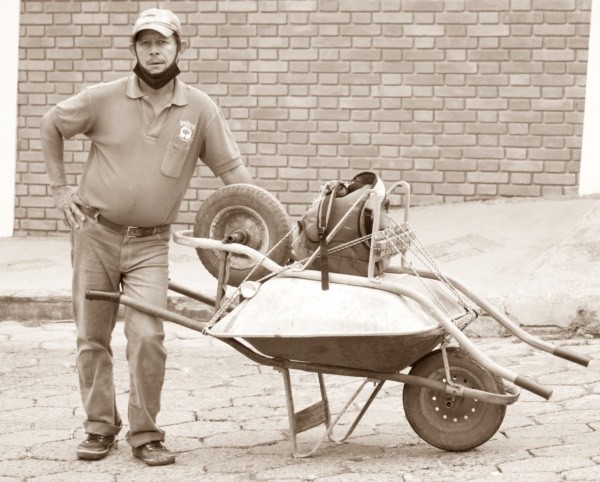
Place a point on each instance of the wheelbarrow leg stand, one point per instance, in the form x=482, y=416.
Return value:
x=319, y=413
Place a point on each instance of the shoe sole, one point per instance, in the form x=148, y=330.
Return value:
x=155, y=463
x=83, y=454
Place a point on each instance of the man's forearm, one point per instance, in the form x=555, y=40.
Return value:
x=53, y=151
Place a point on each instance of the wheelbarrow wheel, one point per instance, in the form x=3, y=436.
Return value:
x=246, y=214
x=453, y=423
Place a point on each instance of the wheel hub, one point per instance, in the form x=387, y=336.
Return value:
x=456, y=413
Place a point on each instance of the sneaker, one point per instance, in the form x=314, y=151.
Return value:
x=95, y=447
x=154, y=453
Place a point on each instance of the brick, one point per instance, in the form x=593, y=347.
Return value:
x=420, y=152
x=518, y=190
x=486, y=5
x=488, y=177
x=455, y=165
x=454, y=189
x=38, y=225
x=423, y=176
x=488, y=30
x=553, y=4
x=521, y=92
x=554, y=178
x=549, y=30
x=483, y=153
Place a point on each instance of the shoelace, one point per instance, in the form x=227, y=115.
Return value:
x=155, y=445
x=94, y=437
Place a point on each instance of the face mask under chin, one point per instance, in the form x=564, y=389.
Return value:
x=156, y=81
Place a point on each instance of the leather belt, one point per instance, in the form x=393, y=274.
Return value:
x=131, y=231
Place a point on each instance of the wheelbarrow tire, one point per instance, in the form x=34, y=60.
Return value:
x=247, y=209
x=455, y=424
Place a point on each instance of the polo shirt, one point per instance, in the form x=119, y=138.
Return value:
x=140, y=165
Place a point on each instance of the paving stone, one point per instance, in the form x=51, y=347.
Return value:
x=546, y=464
x=174, y=417
x=383, y=440
x=244, y=439
x=346, y=477
x=12, y=452
x=41, y=418
x=28, y=468
x=203, y=429
x=59, y=450
x=245, y=464
x=25, y=438
x=68, y=476
x=584, y=474
x=591, y=437
x=300, y=470
x=581, y=449
x=569, y=417
x=14, y=404
x=579, y=377
x=512, y=477
x=240, y=414
x=513, y=420
x=72, y=399
x=14, y=425
x=557, y=430
x=591, y=402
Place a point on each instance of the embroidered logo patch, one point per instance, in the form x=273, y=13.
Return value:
x=186, y=131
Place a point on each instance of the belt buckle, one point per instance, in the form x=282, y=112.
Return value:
x=132, y=235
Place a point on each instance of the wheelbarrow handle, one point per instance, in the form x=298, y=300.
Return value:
x=114, y=296
x=533, y=387
x=571, y=356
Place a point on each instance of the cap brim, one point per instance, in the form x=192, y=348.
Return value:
x=161, y=29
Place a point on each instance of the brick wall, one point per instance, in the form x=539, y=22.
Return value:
x=465, y=99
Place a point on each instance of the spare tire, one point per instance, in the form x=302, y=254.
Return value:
x=247, y=214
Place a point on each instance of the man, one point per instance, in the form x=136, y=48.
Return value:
x=147, y=133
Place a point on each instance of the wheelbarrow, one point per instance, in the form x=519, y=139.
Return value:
x=410, y=318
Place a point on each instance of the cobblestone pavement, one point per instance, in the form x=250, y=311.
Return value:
x=226, y=418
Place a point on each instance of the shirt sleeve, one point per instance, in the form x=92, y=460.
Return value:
x=74, y=115
x=221, y=152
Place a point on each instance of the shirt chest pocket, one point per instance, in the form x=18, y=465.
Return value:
x=174, y=158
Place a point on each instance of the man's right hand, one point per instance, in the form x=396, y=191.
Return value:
x=66, y=200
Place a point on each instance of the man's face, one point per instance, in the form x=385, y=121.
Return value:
x=155, y=52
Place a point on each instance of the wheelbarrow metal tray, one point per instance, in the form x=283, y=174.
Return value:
x=345, y=326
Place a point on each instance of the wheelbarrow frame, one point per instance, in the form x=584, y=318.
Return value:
x=319, y=413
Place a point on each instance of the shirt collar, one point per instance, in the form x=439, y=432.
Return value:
x=180, y=94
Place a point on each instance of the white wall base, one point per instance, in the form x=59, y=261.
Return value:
x=589, y=176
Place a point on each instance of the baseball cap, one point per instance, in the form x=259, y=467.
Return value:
x=164, y=22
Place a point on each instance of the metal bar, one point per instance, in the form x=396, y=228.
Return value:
x=222, y=278
x=295, y=425
x=406, y=201
x=504, y=320
x=289, y=398
x=325, y=399
x=378, y=386
x=186, y=238
x=142, y=306
x=434, y=385
x=183, y=290
x=375, y=228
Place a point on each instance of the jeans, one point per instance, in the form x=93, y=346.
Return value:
x=105, y=260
